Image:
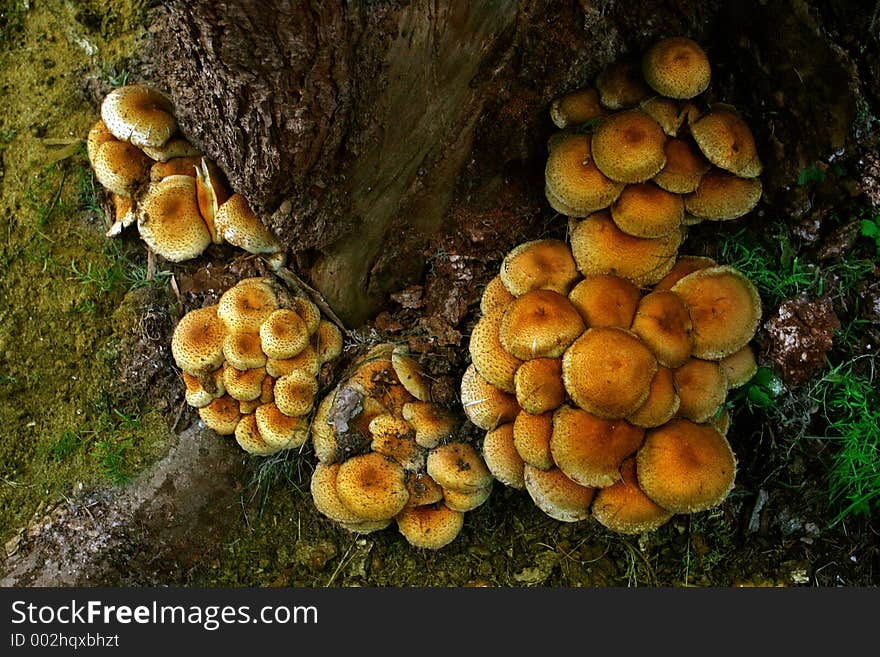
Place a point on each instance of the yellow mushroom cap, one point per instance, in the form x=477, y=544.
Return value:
x=490, y=358
x=430, y=422
x=410, y=374
x=323, y=433
x=177, y=146
x=666, y=112
x=247, y=435
x=600, y=247
x=198, y=394
x=684, y=168
x=243, y=385
x=372, y=486
x=212, y=191
x=544, y=264
x=324, y=496
x=628, y=146
x=240, y=226
x=169, y=220
x=723, y=196
x=246, y=305
x=248, y=407
x=306, y=360
x=663, y=323
x=702, y=388
x=485, y=405
x=589, y=449
x=677, y=67
x=685, y=467
x=620, y=85
x=531, y=438
x=243, y=351
x=539, y=324
x=140, y=114
x=329, y=341
x=279, y=430
x=605, y=300
x=558, y=496
x=662, y=402
x=608, y=372
x=739, y=367
x=624, y=508
x=727, y=142
x=574, y=184
x=646, y=210
x=177, y=166
x=120, y=167
x=538, y=385
x=98, y=134
x=459, y=467
x=466, y=501
x=576, y=107
x=283, y=334
x=392, y=436
x=683, y=266
x=502, y=458
x=725, y=310
x=431, y=526
x=422, y=489
x=197, y=341
x=295, y=393
x=495, y=295
x=721, y=421
x=221, y=415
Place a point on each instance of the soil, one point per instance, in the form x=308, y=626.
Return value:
x=108, y=478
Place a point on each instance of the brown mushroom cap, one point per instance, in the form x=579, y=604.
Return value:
x=200, y=394
x=531, y=438
x=308, y=312
x=727, y=142
x=485, y=405
x=557, y=495
x=538, y=385
x=677, y=67
x=624, y=507
x=608, y=372
x=495, y=295
x=139, y=114
x=502, y=457
x=393, y=437
x=324, y=496
x=574, y=184
x=685, y=467
x=605, y=300
x=240, y=226
x=662, y=402
x=628, y=146
x=539, y=324
x=684, y=168
x=330, y=341
x=739, y=367
x=646, y=210
x=600, y=247
x=422, y=489
x=576, y=107
x=409, y=373
x=97, y=135
x=120, y=167
x=431, y=526
x=279, y=430
x=588, y=449
x=620, y=85
x=666, y=112
x=723, y=196
x=372, y=486
x=247, y=435
x=458, y=466
x=283, y=334
x=683, y=266
x=246, y=305
x=243, y=350
x=663, y=323
x=295, y=393
x=306, y=360
x=466, y=501
x=725, y=310
x=221, y=415
x=702, y=388
x=197, y=341
x=431, y=422
x=543, y=264
x=177, y=166
x=492, y=361
x=243, y=385
x=169, y=220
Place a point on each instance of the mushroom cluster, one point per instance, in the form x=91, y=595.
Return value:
x=250, y=363
x=603, y=398
x=641, y=156
x=179, y=199
x=388, y=454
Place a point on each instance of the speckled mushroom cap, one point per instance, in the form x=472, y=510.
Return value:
x=494, y=295
x=684, y=168
x=410, y=374
x=605, y=300
x=538, y=385
x=684, y=265
x=120, y=167
x=624, y=508
x=589, y=449
x=501, y=457
x=247, y=435
x=727, y=142
x=556, y=495
x=246, y=305
x=702, y=388
x=574, y=184
x=531, y=438
x=243, y=385
x=392, y=436
x=539, y=324
x=722, y=196
x=324, y=496
x=543, y=264
x=243, y=350
x=662, y=402
x=177, y=146
x=201, y=391
x=176, y=166
x=372, y=486
x=677, y=67
x=197, y=341
x=221, y=415
x=685, y=467
x=330, y=341
x=97, y=135
x=306, y=360
x=295, y=393
x=492, y=361
x=620, y=85
x=431, y=422
x=280, y=430
x=169, y=220
x=458, y=466
x=663, y=323
x=739, y=367
x=283, y=334
x=608, y=372
x=430, y=526
x=725, y=310
x=600, y=247
x=628, y=146
x=139, y=114
x=666, y=112
x=646, y=210
x=240, y=226
x=576, y=107
x=422, y=489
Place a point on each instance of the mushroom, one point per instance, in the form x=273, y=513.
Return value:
x=169, y=220
x=120, y=167
x=329, y=341
x=280, y=430
x=197, y=341
x=221, y=415
x=576, y=107
x=372, y=486
x=544, y=264
x=558, y=496
x=683, y=266
x=684, y=168
x=410, y=375
x=663, y=323
x=620, y=85
x=662, y=403
x=248, y=437
x=324, y=496
x=575, y=186
x=459, y=467
x=175, y=147
x=624, y=508
x=727, y=141
x=430, y=422
x=677, y=67
x=722, y=196
x=646, y=210
x=538, y=385
x=431, y=526
x=237, y=223
x=422, y=489
x=531, y=438
x=283, y=334
x=243, y=385
x=465, y=501
x=628, y=146
x=246, y=305
x=212, y=192
x=605, y=300
x=502, y=457
x=178, y=166
x=495, y=295
x=295, y=393
x=493, y=362
x=666, y=112
x=702, y=387
x=139, y=114
x=394, y=437
x=539, y=324
x=307, y=360
x=739, y=367
x=242, y=350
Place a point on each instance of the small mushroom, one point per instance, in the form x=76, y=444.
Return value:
x=139, y=114
x=538, y=385
x=197, y=341
x=120, y=167
x=684, y=168
x=624, y=508
x=677, y=67
x=575, y=186
x=620, y=85
x=492, y=360
x=722, y=196
x=245, y=306
x=430, y=526
x=242, y=350
x=495, y=295
x=221, y=415
x=459, y=467
x=502, y=458
x=702, y=388
x=237, y=223
x=605, y=300
x=539, y=324
x=576, y=107
x=283, y=334
x=663, y=323
x=372, y=486
x=628, y=146
x=662, y=403
x=727, y=142
x=295, y=393
x=169, y=220
x=531, y=438
x=558, y=496
x=279, y=430
x=647, y=210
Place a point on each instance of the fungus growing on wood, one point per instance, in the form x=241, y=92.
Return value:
x=539, y=324
x=727, y=142
x=169, y=220
x=545, y=264
x=684, y=168
x=574, y=185
x=576, y=107
x=677, y=67
x=647, y=210
x=620, y=85
x=139, y=114
x=628, y=146
x=538, y=385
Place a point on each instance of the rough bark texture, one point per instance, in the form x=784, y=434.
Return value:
x=353, y=127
